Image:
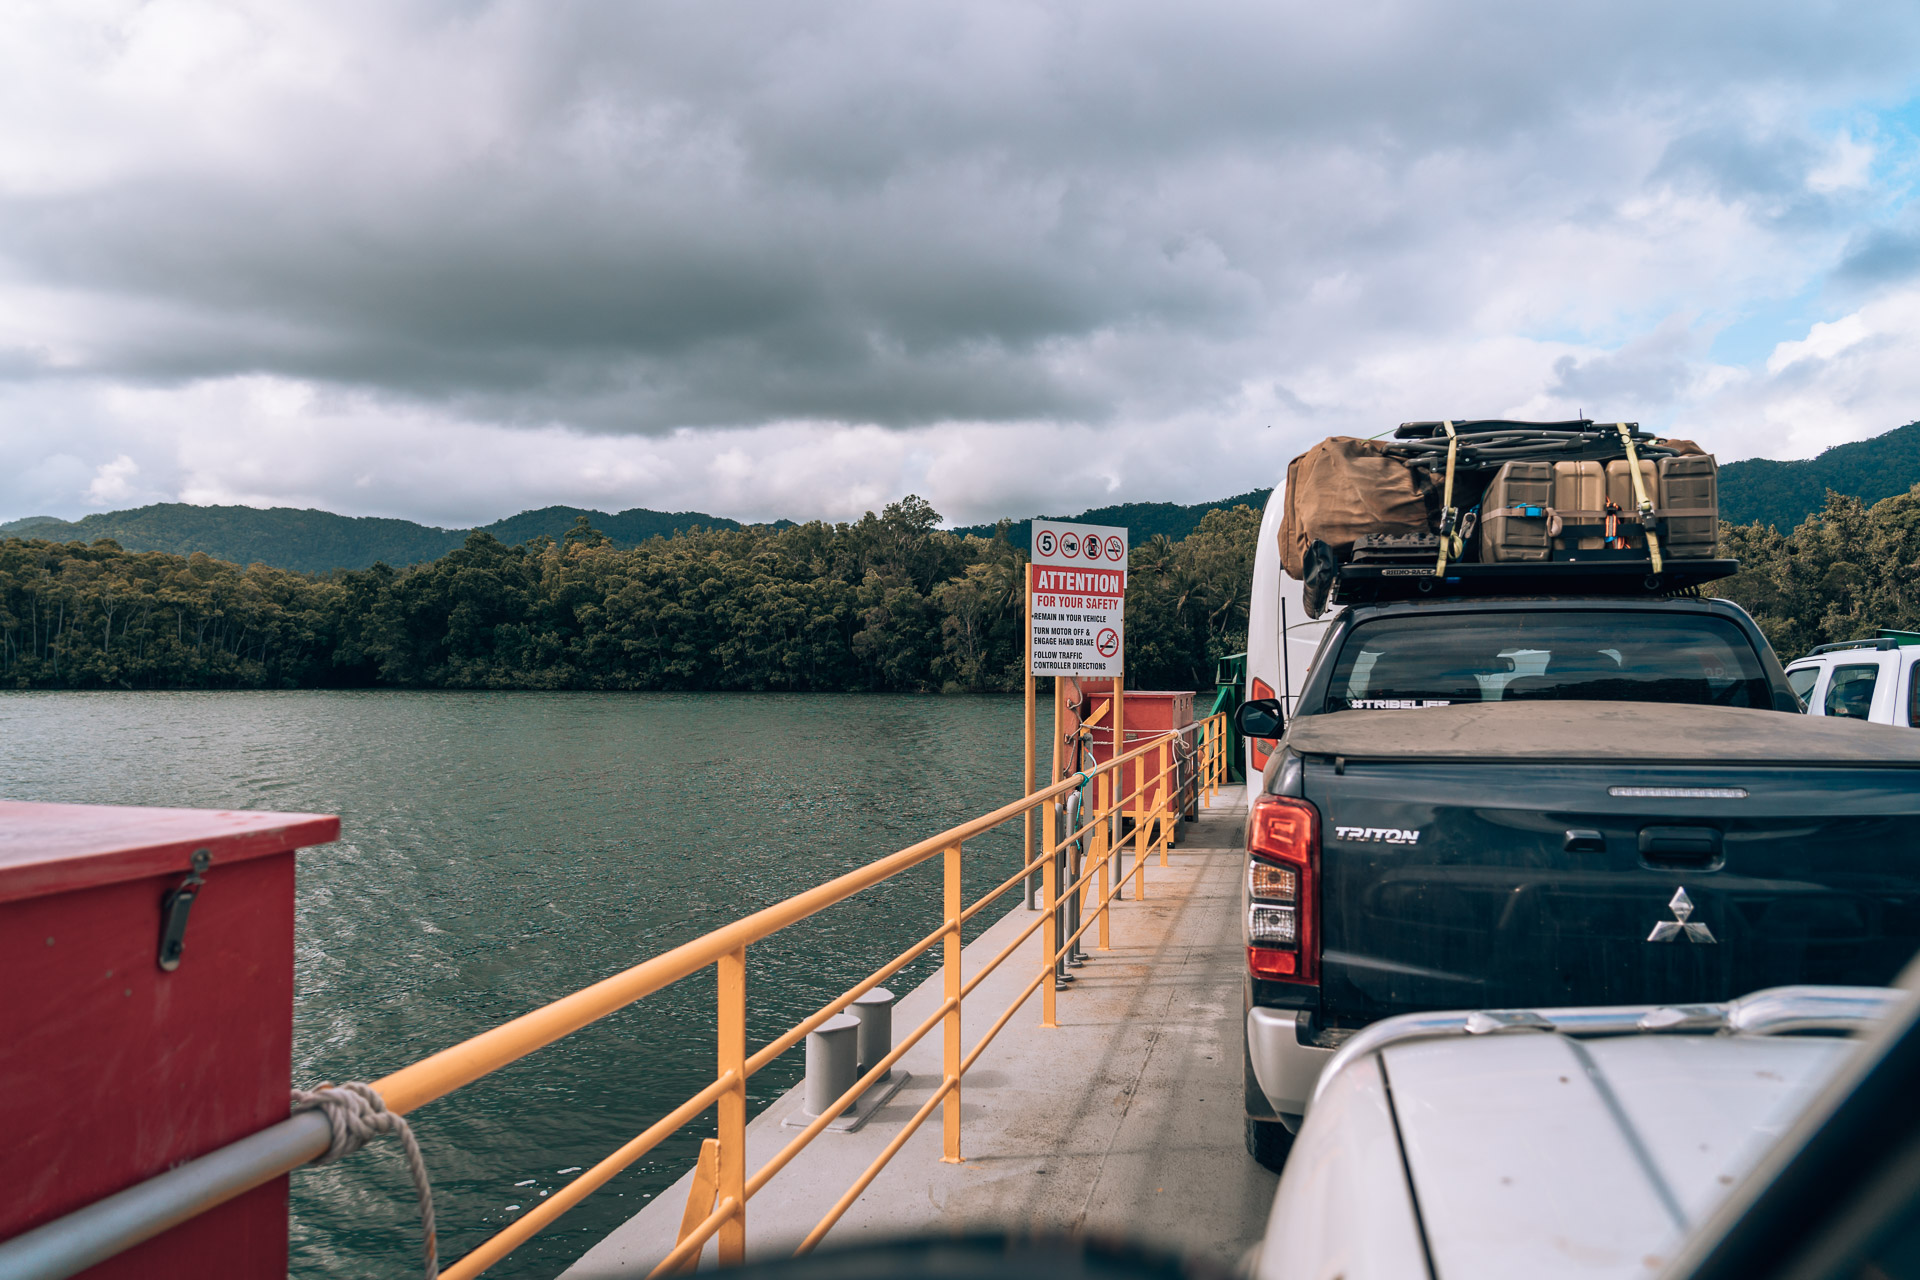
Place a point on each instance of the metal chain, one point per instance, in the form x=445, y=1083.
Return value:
x=357, y=1114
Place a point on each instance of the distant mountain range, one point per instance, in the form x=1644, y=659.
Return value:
x=315, y=541
x=310, y=541
x=1783, y=494
x=1142, y=520
x=1778, y=493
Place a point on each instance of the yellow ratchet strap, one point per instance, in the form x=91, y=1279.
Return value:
x=1640, y=496
x=1447, y=517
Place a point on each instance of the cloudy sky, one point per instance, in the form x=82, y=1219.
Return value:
x=452, y=260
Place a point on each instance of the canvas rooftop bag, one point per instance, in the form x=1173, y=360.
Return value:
x=1342, y=488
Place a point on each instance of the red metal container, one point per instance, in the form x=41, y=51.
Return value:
x=114, y=1069
x=1149, y=714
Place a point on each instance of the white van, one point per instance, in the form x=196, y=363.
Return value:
x=1273, y=670
x=1876, y=680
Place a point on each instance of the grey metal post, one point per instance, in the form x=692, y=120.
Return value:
x=1062, y=862
x=832, y=1052
x=1076, y=900
x=875, y=1039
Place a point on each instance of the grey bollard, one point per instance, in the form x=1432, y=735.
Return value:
x=830, y=1061
x=875, y=1012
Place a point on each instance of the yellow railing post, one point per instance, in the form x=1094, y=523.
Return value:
x=1049, y=932
x=950, y=1116
x=1206, y=770
x=1165, y=797
x=1102, y=843
x=1203, y=762
x=732, y=972
x=1213, y=752
x=1140, y=826
x=1221, y=739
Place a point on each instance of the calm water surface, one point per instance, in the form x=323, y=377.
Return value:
x=501, y=850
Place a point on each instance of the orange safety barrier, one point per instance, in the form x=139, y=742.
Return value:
x=1152, y=808
x=722, y=1185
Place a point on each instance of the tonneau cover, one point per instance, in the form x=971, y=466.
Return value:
x=1569, y=732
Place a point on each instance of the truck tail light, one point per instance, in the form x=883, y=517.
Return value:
x=1283, y=901
x=1262, y=747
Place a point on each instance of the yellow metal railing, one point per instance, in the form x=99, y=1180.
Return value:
x=722, y=1184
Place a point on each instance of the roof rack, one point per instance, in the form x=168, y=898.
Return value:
x=1883, y=642
x=1370, y=583
x=1887, y=639
x=1473, y=426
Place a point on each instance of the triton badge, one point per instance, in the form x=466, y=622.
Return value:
x=1668, y=930
x=1377, y=835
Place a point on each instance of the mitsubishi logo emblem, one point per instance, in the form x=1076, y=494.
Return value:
x=1668, y=930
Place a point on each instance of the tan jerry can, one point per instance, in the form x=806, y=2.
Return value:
x=1579, y=486
x=1620, y=492
x=1506, y=535
x=1620, y=484
x=1690, y=483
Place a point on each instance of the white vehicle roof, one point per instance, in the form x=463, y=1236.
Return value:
x=1879, y=685
x=1533, y=1150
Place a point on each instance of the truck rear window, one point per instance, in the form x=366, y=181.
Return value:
x=1438, y=661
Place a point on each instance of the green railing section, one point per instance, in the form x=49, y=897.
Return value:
x=1229, y=680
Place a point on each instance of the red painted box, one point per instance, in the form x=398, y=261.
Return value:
x=113, y=1069
x=1149, y=714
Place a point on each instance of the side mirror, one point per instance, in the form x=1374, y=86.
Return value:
x=1261, y=718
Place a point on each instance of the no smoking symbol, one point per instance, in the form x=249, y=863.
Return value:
x=1107, y=642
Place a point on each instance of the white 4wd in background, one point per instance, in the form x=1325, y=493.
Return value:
x=1876, y=680
x=1275, y=669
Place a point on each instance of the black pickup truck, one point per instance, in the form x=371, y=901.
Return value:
x=1513, y=802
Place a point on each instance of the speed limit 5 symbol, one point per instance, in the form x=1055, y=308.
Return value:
x=1107, y=642
x=1045, y=542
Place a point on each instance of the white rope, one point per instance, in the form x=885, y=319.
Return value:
x=357, y=1114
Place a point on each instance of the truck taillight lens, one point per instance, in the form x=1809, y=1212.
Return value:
x=1275, y=884
x=1272, y=926
x=1283, y=858
x=1262, y=747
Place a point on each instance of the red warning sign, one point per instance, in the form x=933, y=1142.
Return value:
x=1076, y=599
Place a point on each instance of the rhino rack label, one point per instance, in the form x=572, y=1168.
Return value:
x=1377, y=835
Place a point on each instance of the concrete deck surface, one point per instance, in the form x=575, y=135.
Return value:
x=1126, y=1118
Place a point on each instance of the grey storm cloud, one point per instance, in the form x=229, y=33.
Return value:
x=638, y=218
x=1881, y=255
x=1648, y=372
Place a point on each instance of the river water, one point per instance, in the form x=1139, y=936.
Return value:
x=500, y=850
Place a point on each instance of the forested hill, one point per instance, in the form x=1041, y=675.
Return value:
x=308, y=541
x=317, y=541
x=1142, y=520
x=887, y=602
x=1783, y=494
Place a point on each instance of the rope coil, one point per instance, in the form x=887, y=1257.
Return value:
x=357, y=1114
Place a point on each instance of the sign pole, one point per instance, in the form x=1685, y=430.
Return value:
x=1026, y=777
x=1076, y=628
x=1119, y=736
